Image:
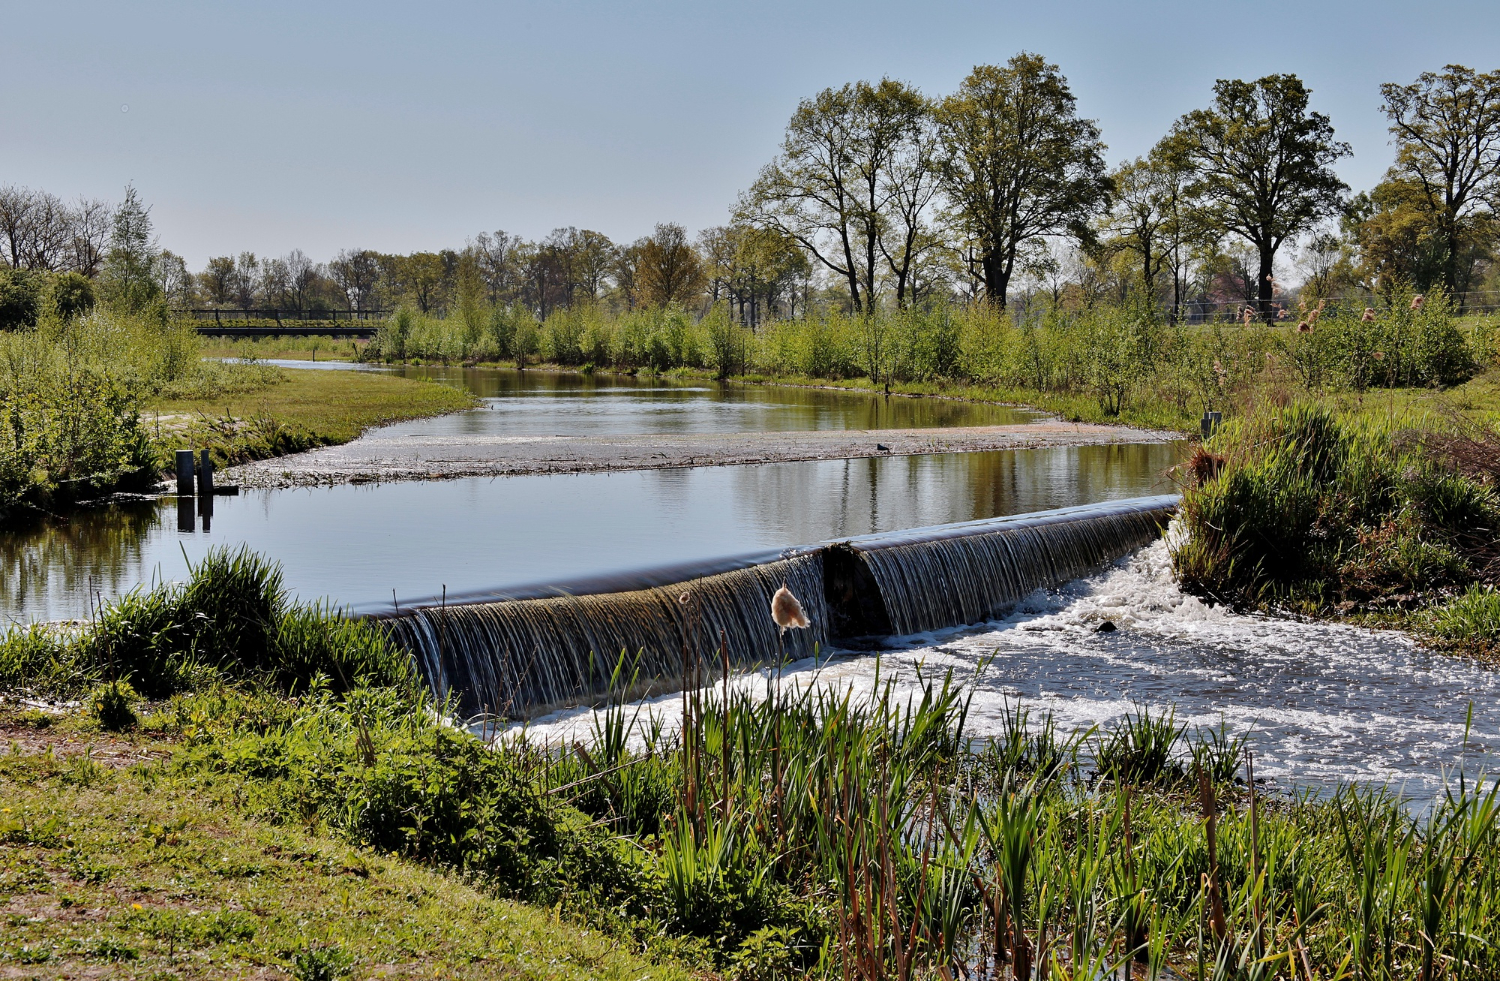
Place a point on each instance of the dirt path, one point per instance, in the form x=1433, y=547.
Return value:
x=448, y=457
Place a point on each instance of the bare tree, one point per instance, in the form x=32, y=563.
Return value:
x=16, y=204
x=849, y=173
x=91, y=221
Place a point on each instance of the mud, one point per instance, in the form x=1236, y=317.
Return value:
x=373, y=459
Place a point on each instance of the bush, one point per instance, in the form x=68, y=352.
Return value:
x=231, y=619
x=111, y=705
x=1311, y=509
x=20, y=299
x=72, y=295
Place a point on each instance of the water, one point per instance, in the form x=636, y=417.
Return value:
x=512, y=656
x=545, y=403
x=1322, y=703
x=358, y=543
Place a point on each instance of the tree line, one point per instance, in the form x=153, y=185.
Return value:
x=880, y=195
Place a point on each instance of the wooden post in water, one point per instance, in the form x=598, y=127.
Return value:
x=185, y=472
x=205, y=474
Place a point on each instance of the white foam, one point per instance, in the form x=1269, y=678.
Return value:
x=1321, y=702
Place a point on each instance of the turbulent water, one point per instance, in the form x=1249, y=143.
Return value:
x=1321, y=703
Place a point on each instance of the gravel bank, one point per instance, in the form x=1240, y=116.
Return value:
x=373, y=459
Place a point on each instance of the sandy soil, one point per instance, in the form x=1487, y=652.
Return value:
x=448, y=457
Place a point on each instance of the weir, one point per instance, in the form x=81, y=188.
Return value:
x=520, y=651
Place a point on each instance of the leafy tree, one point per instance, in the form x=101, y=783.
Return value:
x=1263, y=166
x=72, y=295
x=421, y=278
x=499, y=265
x=1399, y=236
x=356, y=272
x=130, y=265
x=669, y=270
x=1016, y=163
x=20, y=299
x=851, y=184
x=1138, y=218
x=217, y=280
x=1447, y=131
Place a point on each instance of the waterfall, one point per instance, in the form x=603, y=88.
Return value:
x=522, y=650
x=513, y=656
x=947, y=575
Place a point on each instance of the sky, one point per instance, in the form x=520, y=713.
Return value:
x=324, y=125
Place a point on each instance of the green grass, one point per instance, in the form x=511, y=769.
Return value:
x=1314, y=509
x=231, y=620
x=295, y=411
x=132, y=868
x=804, y=833
x=285, y=347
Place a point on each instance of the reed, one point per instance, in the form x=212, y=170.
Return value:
x=931, y=856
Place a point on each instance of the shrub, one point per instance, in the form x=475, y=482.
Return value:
x=111, y=706
x=20, y=299
x=72, y=295
x=1312, y=509
x=231, y=619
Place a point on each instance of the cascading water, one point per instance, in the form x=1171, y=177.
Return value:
x=509, y=656
x=947, y=575
x=528, y=650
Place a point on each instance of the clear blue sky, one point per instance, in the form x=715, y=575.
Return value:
x=321, y=125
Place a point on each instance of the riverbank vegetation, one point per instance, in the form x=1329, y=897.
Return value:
x=1308, y=509
x=98, y=402
x=754, y=835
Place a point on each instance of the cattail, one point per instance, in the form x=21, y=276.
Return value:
x=1249, y=315
x=1312, y=318
x=1417, y=301
x=1321, y=305
x=1378, y=355
x=1305, y=327
x=1369, y=317
x=786, y=611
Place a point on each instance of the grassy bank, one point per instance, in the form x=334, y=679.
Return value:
x=295, y=410
x=117, y=862
x=1391, y=516
x=83, y=401
x=795, y=834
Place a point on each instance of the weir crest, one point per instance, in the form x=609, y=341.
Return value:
x=520, y=651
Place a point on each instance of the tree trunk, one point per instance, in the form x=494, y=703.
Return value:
x=1264, y=287
x=996, y=279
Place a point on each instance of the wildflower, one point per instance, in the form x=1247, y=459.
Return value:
x=1417, y=301
x=786, y=611
x=136, y=906
x=1369, y=316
